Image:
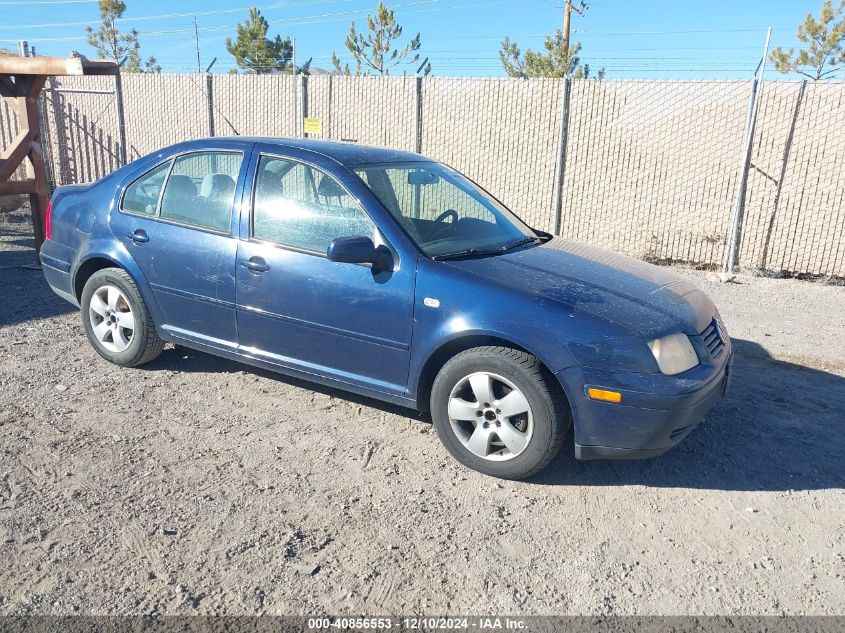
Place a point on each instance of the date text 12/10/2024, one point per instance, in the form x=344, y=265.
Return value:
x=490, y=623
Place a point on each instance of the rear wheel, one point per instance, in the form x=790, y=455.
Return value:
x=116, y=320
x=499, y=412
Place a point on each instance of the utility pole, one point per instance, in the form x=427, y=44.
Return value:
x=567, y=19
x=197, y=41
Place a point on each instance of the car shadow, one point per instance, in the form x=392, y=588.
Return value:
x=183, y=359
x=24, y=293
x=781, y=427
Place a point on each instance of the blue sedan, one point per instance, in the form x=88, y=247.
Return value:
x=390, y=275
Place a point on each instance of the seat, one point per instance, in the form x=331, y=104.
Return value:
x=217, y=187
x=183, y=204
x=269, y=185
x=219, y=190
x=179, y=193
x=329, y=188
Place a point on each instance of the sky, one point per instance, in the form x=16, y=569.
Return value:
x=628, y=38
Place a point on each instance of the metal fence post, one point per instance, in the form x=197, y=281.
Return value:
x=329, y=112
x=121, y=119
x=303, y=102
x=787, y=148
x=294, y=105
x=209, y=103
x=418, y=115
x=732, y=243
x=560, y=166
x=46, y=148
x=729, y=258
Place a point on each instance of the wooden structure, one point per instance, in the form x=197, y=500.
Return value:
x=21, y=81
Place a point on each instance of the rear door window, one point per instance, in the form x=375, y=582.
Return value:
x=200, y=190
x=142, y=195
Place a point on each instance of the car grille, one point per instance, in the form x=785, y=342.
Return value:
x=715, y=338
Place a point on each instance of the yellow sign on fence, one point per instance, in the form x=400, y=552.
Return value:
x=312, y=125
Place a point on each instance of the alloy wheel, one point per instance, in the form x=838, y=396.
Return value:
x=111, y=317
x=490, y=416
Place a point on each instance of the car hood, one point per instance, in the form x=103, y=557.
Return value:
x=645, y=299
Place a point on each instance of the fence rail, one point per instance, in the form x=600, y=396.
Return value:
x=648, y=168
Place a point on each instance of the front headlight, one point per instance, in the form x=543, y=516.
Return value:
x=674, y=353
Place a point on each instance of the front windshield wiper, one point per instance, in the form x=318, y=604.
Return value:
x=469, y=252
x=528, y=239
x=480, y=252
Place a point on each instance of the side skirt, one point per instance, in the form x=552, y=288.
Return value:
x=327, y=381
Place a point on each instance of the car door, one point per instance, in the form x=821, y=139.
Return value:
x=177, y=222
x=297, y=308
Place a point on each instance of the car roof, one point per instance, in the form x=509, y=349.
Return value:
x=344, y=152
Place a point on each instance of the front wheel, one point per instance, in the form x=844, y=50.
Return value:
x=116, y=320
x=499, y=412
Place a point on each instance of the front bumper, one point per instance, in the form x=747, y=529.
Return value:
x=656, y=411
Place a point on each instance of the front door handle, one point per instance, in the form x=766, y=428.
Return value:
x=256, y=265
x=139, y=236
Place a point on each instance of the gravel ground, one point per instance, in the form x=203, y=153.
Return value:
x=195, y=485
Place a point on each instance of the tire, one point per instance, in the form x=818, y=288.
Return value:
x=110, y=312
x=499, y=371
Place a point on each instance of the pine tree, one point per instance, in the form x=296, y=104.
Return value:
x=555, y=62
x=255, y=52
x=374, y=53
x=826, y=52
x=110, y=43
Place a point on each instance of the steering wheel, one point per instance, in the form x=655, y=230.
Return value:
x=441, y=220
x=446, y=214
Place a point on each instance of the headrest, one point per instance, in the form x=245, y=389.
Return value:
x=329, y=187
x=181, y=186
x=217, y=186
x=268, y=178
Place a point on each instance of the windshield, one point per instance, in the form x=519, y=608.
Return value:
x=445, y=213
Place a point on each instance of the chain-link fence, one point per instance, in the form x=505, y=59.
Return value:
x=648, y=168
x=651, y=166
x=794, y=216
x=80, y=129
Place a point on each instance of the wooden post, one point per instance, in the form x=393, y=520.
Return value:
x=22, y=95
x=21, y=81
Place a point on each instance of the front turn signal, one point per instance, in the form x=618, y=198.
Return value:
x=604, y=394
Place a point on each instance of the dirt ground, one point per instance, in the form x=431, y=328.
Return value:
x=195, y=485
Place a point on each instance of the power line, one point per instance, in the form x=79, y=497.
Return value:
x=163, y=16
x=289, y=21
x=10, y=3
x=312, y=19
x=597, y=33
x=689, y=32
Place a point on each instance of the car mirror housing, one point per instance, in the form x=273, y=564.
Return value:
x=359, y=250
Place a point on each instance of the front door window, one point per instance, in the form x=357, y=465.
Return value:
x=299, y=206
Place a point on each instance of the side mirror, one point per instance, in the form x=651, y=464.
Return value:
x=359, y=250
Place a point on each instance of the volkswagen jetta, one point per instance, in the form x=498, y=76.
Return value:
x=390, y=275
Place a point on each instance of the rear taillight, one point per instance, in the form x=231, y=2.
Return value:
x=47, y=231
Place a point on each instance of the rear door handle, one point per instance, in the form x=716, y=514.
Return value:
x=256, y=265
x=139, y=236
